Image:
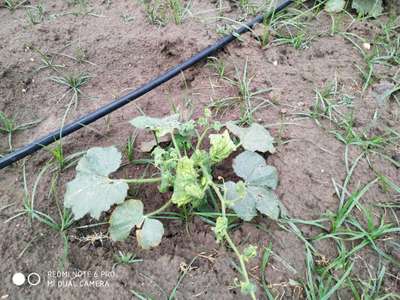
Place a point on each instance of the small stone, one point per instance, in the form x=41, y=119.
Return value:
x=367, y=46
x=32, y=59
x=283, y=111
x=275, y=63
x=300, y=104
x=24, y=90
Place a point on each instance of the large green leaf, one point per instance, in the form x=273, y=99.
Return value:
x=266, y=201
x=126, y=216
x=244, y=206
x=253, y=138
x=254, y=170
x=92, y=191
x=255, y=193
x=255, y=198
x=150, y=234
x=371, y=8
x=334, y=6
x=161, y=126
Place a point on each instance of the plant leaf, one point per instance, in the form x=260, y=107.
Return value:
x=254, y=170
x=266, y=201
x=126, y=216
x=244, y=206
x=92, y=191
x=161, y=126
x=335, y=6
x=187, y=188
x=372, y=8
x=151, y=233
x=253, y=138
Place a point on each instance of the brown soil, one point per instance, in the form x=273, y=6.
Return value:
x=126, y=54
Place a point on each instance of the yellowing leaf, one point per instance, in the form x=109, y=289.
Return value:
x=221, y=146
x=186, y=187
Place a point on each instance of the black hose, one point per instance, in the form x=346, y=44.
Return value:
x=114, y=105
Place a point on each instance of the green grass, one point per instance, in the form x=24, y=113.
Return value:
x=74, y=84
x=125, y=258
x=156, y=12
x=35, y=14
x=248, y=99
x=47, y=61
x=385, y=51
x=9, y=126
x=179, y=11
x=12, y=5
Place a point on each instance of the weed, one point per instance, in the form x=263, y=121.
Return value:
x=246, y=98
x=127, y=18
x=129, y=148
x=35, y=14
x=74, y=83
x=178, y=10
x=47, y=61
x=12, y=5
x=125, y=258
x=10, y=127
x=156, y=12
x=218, y=65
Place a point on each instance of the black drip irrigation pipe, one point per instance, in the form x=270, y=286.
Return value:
x=114, y=105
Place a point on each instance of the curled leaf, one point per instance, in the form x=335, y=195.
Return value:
x=221, y=227
x=150, y=234
x=249, y=252
x=221, y=146
x=187, y=189
x=91, y=191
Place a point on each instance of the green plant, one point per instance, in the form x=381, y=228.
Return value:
x=74, y=83
x=9, y=126
x=156, y=12
x=47, y=61
x=12, y=5
x=35, y=14
x=129, y=148
x=125, y=258
x=187, y=169
x=178, y=10
x=249, y=100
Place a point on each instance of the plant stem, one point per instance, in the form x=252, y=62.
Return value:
x=160, y=209
x=201, y=138
x=140, y=180
x=176, y=144
x=229, y=240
